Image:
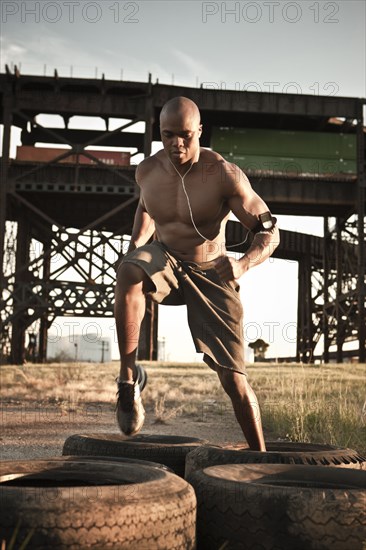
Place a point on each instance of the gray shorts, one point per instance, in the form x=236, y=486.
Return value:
x=215, y=312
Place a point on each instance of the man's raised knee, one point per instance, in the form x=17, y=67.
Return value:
x=132, y=276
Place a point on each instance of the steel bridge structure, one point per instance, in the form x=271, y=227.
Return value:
x=63, y=226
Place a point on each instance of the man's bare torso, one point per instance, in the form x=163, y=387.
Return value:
x=164, y=199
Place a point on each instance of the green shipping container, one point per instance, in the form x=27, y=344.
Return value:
x=292, y=165
x=308, y=152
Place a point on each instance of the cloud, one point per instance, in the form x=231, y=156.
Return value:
x=33, y=52
x=11, y=50
x=190, y=63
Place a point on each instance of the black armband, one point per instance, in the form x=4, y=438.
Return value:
x=266, y=222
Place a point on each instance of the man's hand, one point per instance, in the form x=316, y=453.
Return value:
x=229, y=269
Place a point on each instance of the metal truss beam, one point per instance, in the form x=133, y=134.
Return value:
x=324, y=197
x=71, y=272
x=333, y=314
x=121, y=139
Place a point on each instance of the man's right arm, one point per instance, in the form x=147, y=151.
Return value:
x=143, y=227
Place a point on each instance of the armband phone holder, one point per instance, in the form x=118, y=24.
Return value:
x=266, y=222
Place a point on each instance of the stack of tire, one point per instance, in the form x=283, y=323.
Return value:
x=296, y=496
x=101, y=495
x=109, y=491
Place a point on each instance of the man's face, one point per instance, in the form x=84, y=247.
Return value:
x=180, y=135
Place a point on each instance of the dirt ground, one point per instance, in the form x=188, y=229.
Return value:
x=39, y=432
x=35, y=424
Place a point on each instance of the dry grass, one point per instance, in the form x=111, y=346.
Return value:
x=163, y=413
x=324, y=404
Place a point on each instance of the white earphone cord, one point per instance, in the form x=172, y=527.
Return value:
x=190, y=208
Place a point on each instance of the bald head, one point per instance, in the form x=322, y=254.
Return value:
x=180, y=107
x=180, y=130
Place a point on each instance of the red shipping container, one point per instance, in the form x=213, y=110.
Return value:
x=47, y=154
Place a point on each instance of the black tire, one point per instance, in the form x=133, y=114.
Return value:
x=94, y=504
x=112, y=459
x=170, y=450
x=279, y=507
x=277, y=453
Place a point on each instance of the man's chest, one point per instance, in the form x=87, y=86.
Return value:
x=169, y=199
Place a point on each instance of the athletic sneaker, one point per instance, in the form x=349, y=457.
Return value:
x=130, y=412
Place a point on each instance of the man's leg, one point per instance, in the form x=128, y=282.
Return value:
x=130, y=304
x=245, y=406
x=129, y=311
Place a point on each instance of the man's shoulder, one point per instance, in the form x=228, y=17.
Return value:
x=218, y=164
x=208, y=155
x=151, y=161
x=148, y=164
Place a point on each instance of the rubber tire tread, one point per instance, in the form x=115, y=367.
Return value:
x=110, y=506
x=168, y=450
x=277, y=453
x=111, y=459
x=237, y=513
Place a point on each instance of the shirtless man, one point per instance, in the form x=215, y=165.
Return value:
x=186, y=195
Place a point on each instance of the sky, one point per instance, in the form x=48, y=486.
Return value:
x=310, y=47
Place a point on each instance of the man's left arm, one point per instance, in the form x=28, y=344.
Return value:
x=248, y=207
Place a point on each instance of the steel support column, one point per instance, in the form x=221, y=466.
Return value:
x=361, y=287
x=339, y=270
x=147, y=349
x=44, y=323
x=22, y=259
x=300, y=315
x=304, y=312
x=7, y=121
x=149, y=121
x=149, y=328
x=326, y=290
x=308, y=351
